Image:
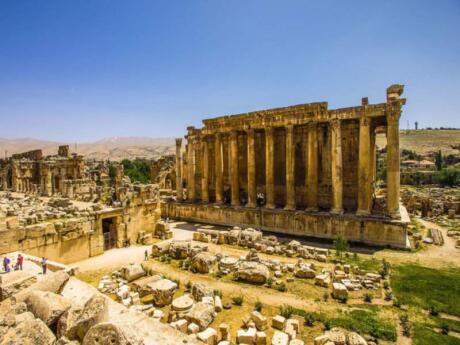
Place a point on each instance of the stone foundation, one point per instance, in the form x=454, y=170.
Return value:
x=367, y=230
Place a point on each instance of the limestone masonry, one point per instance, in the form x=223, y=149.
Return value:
x=304, y=170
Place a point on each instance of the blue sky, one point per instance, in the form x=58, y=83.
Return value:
x=84, y=70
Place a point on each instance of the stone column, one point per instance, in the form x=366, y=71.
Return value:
x=290, y=169
x=219, y=168
x=269, y=168
x=312, y=173
x=191, y=169
x=364, y=169
x=393, y=164
x=234, y=185
x=252, y=195
x=336, y=168
x=179, y=191
x=205, y=172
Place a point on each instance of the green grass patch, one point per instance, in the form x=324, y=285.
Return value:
x=424, y=335
x=426, y=287
x=371, y=265
x=364, y=320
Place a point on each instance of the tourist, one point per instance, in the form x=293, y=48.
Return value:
x=20, y=261
x=146, y=255
x=6, y=264
x=44, y=263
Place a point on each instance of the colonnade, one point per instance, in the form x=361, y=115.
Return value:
x=366, y=166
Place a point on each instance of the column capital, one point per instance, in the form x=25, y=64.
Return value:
x=178, y=141
x=364, y=120
x=290, y=128
x=233, y=134
x=335, y=123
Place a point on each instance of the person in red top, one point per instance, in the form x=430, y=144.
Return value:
x=20, y=261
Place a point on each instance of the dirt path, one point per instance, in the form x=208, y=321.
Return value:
x=445, y=256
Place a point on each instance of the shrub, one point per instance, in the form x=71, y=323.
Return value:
x=343, y=299
x=281, y=287
x=404, y=320
x=388, y=295
x=286, y=311
x=177, y=281
x=368, y=298
x=238, y=300
x=218, y=293
x=386, y=285
x=258, y=306
x=188, y=286
x=325, y=296
x=270, y=282
x=309, y=319
x=445, y=328
x=433, y=310
x=327, y=325
x=396, y=303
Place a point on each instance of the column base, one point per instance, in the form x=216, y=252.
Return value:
x=395, y=215
x=338, y=211
x=312, y=209
x=362, y=213
x=289, y=208
x=270, y=206
x=251, y=205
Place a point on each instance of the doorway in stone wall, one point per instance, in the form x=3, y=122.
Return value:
x=109, y=232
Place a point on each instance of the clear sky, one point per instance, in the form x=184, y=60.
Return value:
x=83, y=70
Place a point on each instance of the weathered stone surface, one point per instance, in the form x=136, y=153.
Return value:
x=355, y=339
x=53, y=282
x=179, y=249
x=76, y=323
x=203, y=262
x=29, y=332
x=182, y=303
x=47, y=306
x=162, y=291
x=280, y=338
x=161, y=248
x=201, y=314
x=141, y=285
x=132, y=272
x=111, y=333
x=253, y=272
x=200, y=290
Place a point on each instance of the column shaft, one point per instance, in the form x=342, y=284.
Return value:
x=393, y=173
x=336, y=168
x=234, y=185
x=290, y=169
x=191, y=170
x=205, y=172
x=312, y=173
x=179, y=191
x=364, y=172
x=269, y=168
x=219, y=169
x=251, y=169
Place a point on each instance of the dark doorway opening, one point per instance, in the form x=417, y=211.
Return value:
x=109, y=232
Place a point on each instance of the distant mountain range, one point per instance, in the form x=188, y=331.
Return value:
x=116, y=148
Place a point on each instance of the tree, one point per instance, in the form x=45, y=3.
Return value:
x=340, y=245
x=438, y=160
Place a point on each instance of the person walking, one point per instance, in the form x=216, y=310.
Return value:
x=146, y=255
x=44, y=262
x=20, y=261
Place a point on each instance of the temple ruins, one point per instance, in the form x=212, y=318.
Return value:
x=303, y=170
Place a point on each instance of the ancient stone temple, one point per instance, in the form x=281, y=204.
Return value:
x=31, y=172
x=305, y=170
